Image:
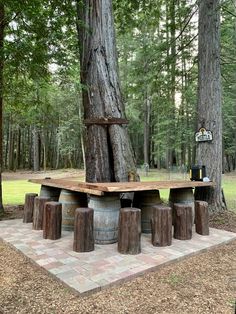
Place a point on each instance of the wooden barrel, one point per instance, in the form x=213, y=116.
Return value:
x=106, y=217
x=71, y=200
x=182, y=196
x=51, y=192
x=145, y=200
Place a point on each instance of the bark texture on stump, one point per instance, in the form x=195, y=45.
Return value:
x=39, y=203
x=52, y=220
x=183, y=222
x=202, y=218
x=29, y=207
x=109, y=155
x=161, y=225
x=83, y=230
x=129, y=233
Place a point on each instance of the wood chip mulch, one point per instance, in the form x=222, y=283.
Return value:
x=204, y=283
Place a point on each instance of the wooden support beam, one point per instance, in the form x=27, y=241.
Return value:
x=105, y=121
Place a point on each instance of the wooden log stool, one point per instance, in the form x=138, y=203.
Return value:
x=202, y=217
x=29, y=207
x=52, y=216
x=83, y=230
x=183, y=221
x=129, y=232
x=39, y=203
x=161, y=225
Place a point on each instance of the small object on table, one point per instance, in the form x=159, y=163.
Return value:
x=29, y=207
x=52, y=220
x=197, y=173
x=83, y=230
x=161, y=225
x=202, y=217
x=129, y=233
x=39, y=203
x=183, y=221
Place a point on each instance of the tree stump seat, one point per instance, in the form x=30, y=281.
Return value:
x=183, y=221
x=83, y=230
x=129, y=234
x=52, y=217
x=161, y=225
x=39, y=203
x=29, y=207
x=201, y=217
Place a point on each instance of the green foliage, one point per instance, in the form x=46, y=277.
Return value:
x=157, y=49
x=228, y=35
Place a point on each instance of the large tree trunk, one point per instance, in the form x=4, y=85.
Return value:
x=2, y=27
x=109, y=156
x=209, y=98
x=146, y=135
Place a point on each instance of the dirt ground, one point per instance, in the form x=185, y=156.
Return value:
x=205, y=283
x=56, y=174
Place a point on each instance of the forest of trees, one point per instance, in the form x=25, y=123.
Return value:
x=158, y=63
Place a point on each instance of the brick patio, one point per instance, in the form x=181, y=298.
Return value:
x=93, y=271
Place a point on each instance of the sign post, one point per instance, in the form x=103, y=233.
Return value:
x=203, y=135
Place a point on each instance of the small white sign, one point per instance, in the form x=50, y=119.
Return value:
x=203, y=135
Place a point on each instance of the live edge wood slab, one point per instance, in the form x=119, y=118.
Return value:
x=119, y=187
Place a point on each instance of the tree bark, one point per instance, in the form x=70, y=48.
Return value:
x=83, y=230
x=202, y=218
x=29, y=207
x=52, y=220
x=147, y=116
x=129, y=234
x=209, y=98
x=39, y=202
x=161, y=225
x=36, y=152
x=109, y=155
x=183, y=221
x=2, y=28
x=11, y=147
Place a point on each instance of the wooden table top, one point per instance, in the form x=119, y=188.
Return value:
x=119, y=187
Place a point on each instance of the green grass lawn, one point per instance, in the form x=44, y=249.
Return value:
x=14, y=191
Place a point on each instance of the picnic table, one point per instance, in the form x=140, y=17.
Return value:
x=103, y=188
x=104, y=198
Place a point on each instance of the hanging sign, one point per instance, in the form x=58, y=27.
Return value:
x=203, y=135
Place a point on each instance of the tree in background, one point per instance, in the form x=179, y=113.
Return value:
x=209, y=114
x=157, y=59
x=109, y=155
x=2, y=29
